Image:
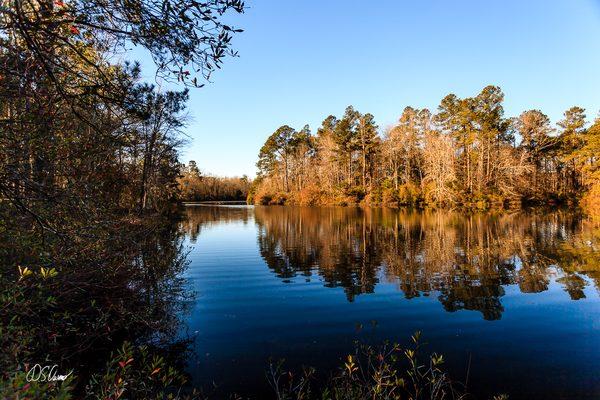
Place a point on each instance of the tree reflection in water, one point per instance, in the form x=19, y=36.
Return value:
x=467, y=261
x=199, y=217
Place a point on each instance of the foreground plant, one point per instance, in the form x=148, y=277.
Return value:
x=388, y=372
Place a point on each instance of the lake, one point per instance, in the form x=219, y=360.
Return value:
x=511, y=301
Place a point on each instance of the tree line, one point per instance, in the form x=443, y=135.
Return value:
x=466, y=154
x=88, y=182
x=195, y=186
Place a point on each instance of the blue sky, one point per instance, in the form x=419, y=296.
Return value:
x=302, y=60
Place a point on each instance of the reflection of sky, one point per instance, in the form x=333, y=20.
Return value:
x=544, y=343
x=303, y=60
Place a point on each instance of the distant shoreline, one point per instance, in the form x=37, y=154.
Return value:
x=215, y=202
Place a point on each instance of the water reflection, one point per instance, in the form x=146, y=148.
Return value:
x=305, y=283
x=199, y=217
x=465, y=261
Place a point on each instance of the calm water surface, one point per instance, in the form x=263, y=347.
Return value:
x=516, y=296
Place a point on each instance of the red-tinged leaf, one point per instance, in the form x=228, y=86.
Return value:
x=122, y=364
x=155, y=371
x=26, y=386
x=74, y=30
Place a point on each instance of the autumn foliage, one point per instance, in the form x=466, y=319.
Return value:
x=468, y=154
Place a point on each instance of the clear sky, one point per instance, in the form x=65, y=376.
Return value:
x=302, y=60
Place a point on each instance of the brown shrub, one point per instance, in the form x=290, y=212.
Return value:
x=591, y=202
x=310, y=196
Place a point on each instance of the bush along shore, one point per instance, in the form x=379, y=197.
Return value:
x=385, y=372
